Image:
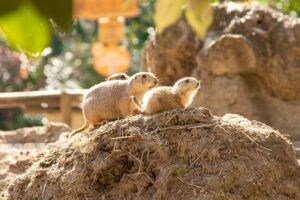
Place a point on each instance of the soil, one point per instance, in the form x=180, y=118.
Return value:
x=13, y=163
x=248, y=64
x=22, y=147
x=178, y=154
x=39, y=134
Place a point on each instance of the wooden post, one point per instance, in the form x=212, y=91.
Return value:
x=66, y=108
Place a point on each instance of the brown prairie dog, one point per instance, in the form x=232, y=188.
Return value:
x=111, y=99
x=164, y=98
x=118, y=76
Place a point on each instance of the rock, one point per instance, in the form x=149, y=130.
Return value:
x=171, y=55
x=178, y=154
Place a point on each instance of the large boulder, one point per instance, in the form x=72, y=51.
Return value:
x=248, y=63
x=179, y=154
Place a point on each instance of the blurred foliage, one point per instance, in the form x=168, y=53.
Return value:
x=14, y=72
x=14, y=118
x=290, y=7
x=15, y=15
x=67, y=63
x=174, y=10
x=19, y=33
x=15, y=76
x=73, y=67
x=25, y=23
x=137, y=31
x=70, y=64
x=199, y=14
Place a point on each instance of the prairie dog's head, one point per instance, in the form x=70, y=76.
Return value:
x=118, y=76
x=186, y=85
x=143, y=81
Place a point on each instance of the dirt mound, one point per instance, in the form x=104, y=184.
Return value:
x=40, y=134
x=22, y=147
x=248, y=63
x=12, y=164
x=180, y=154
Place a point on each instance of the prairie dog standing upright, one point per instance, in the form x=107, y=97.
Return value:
x=164, y=98
x=111, y=99
x=118, y=76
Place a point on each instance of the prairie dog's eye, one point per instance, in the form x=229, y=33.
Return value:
x=143, y=76
x=187, y=81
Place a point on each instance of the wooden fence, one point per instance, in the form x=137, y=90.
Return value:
x=57, y=105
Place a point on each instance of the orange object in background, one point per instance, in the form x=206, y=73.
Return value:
x=111, y=31
x=110, y=59
x=94, y=9
x=108, y=56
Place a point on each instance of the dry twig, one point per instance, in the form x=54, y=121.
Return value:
x=183, y=127
x=123, y=137
x=202, y=188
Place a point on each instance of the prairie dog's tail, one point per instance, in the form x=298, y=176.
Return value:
x=84, y=127
x=136, y=103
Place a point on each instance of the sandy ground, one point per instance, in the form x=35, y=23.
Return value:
x=20, y=148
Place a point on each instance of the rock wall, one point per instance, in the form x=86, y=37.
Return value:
x=249, y=64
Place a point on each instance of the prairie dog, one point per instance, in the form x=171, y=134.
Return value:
x=164, y=98
x=118, y=76
x=111, y=99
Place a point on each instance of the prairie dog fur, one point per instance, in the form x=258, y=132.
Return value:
x=118, y=76
x=164, y=98
x=111, y=99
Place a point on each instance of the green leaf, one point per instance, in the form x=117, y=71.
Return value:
x=24, y=28
x=199, y=14
x=167, y=13
x=60, y=11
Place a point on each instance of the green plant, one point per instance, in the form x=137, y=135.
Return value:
x=198, y=13
x=137, y=31
x=14, y=118
x=25, y=24
x=290, y=7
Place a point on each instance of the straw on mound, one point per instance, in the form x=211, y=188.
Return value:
x=180, y=154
